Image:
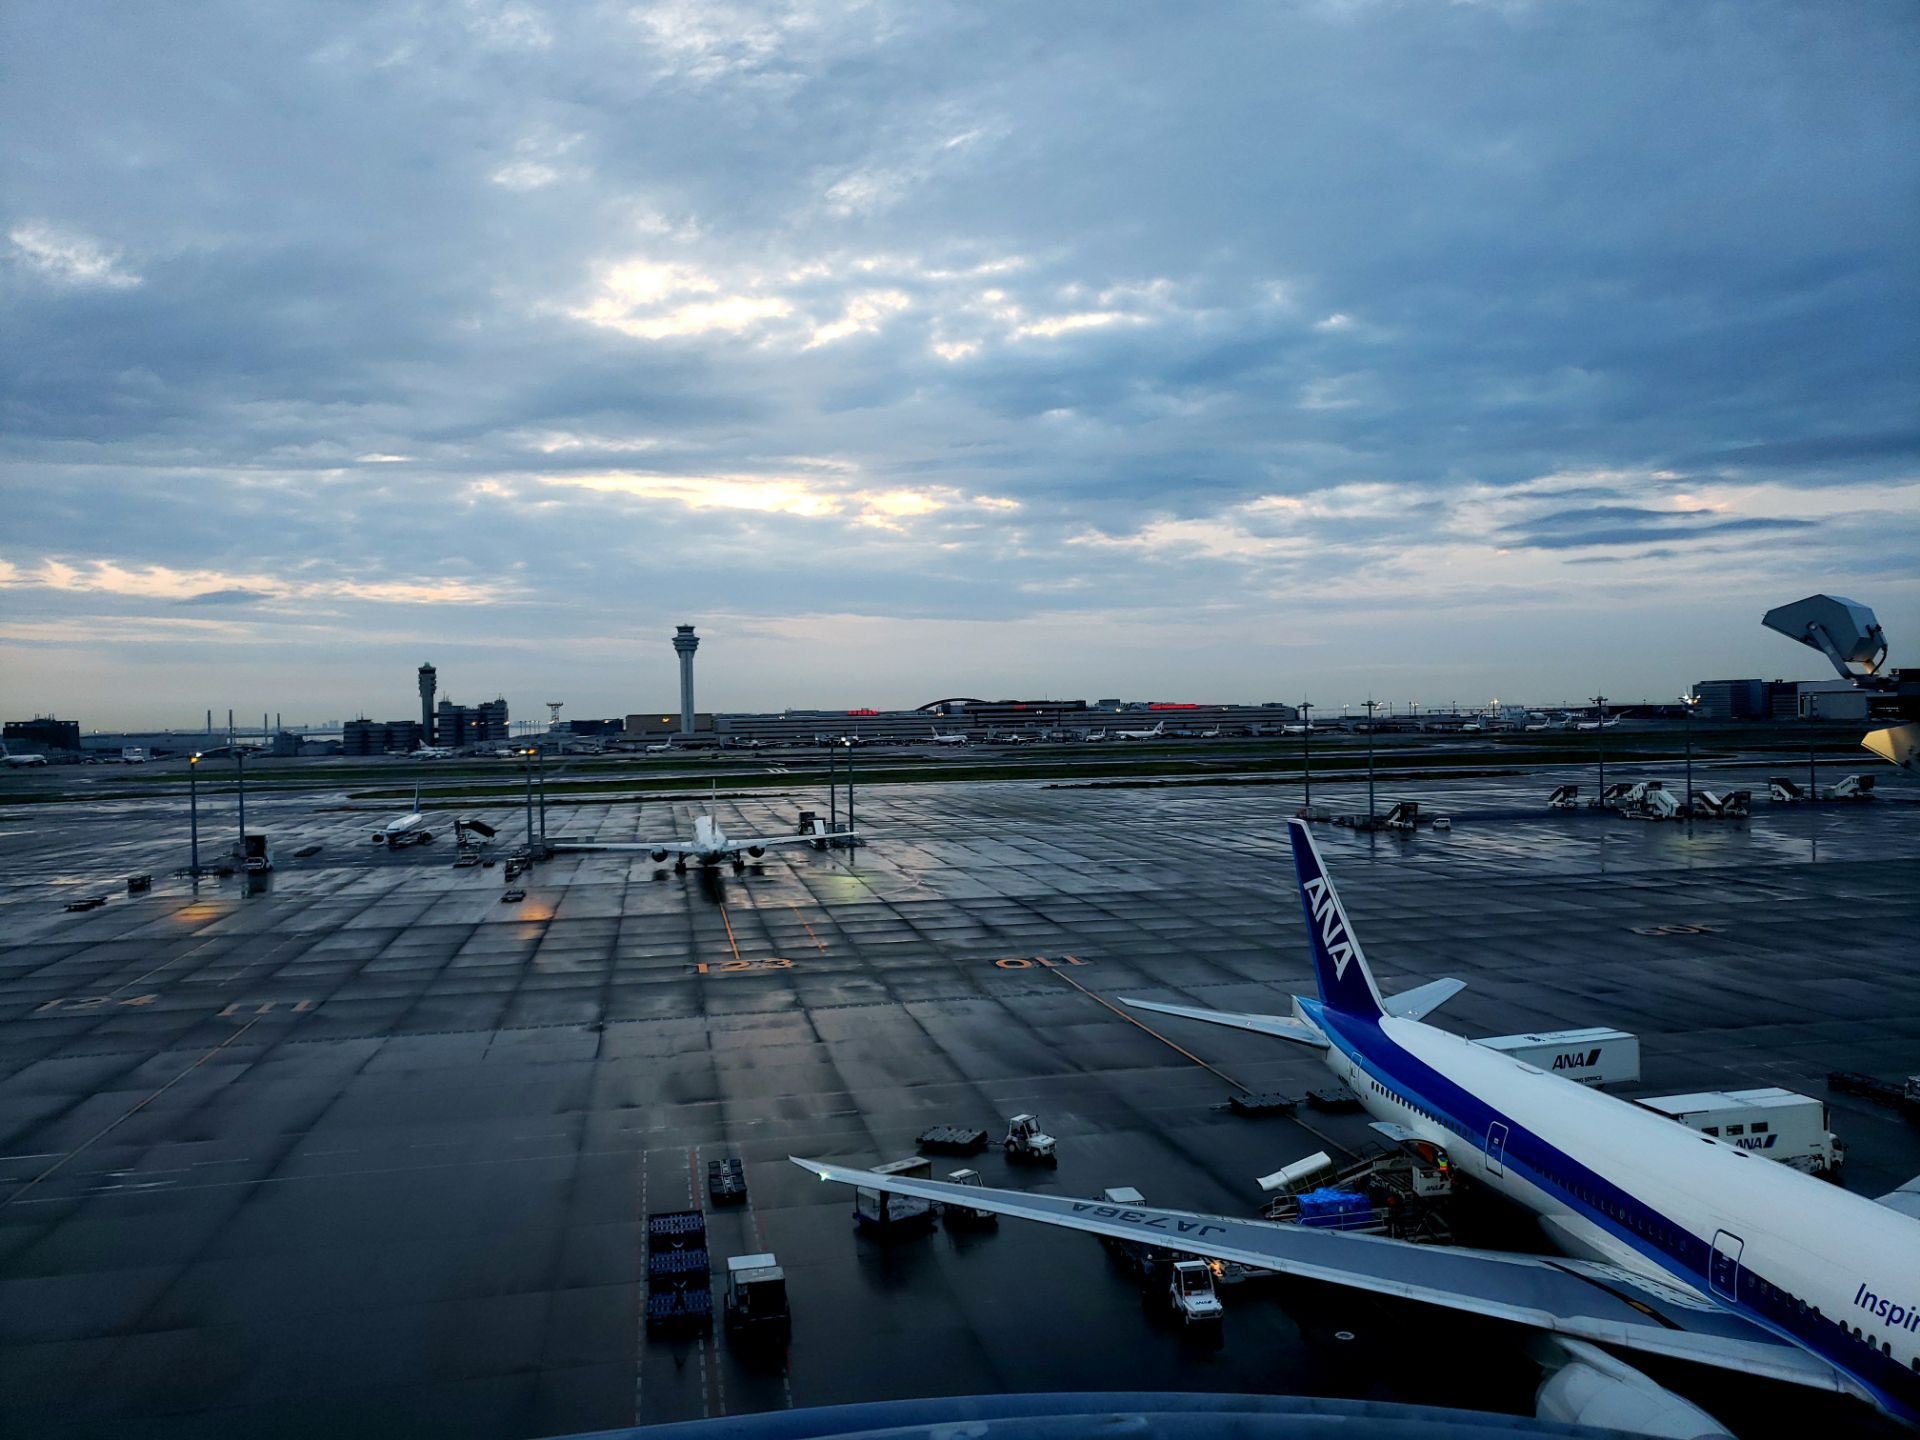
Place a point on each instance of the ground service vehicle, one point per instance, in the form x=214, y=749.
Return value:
x=886, y=1213
x=756, y=1303
x=1026, y=1141
x=1770, y=1122
x=1190, y=1293
x=1596, y=1056
x=962, y=1215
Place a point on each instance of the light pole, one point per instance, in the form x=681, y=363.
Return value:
x=527, y=755
x=1600, y=735
x=850, y=745
x=1306, y=748
x=1372, y=705
x=833, y=790
x=1689, y=700
x=541, y=761
x=240, y=769
x=193, y=809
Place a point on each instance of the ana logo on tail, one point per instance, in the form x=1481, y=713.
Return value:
x=1333, y=930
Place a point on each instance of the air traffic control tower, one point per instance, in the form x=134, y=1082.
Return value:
x=685, y=642
x=429, y=681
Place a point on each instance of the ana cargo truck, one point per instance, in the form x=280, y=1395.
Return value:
x=1597, y=1056
x=1770, y=1122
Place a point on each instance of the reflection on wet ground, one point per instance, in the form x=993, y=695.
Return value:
x=371, y=1148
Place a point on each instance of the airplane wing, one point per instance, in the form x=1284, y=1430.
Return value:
x=1567, y=1297
x=1279, y=1026
x=1423, y=1000
x=777, y=840
x=625, y=847
x=1906, y=1199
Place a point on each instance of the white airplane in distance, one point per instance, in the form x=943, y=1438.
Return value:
x=1686, y=1246
x=432, y=752
x=1213, y=734
x=1597, y=724
x=1153, y=734
x=1094, y=737
x=954, y=739
x=17, y=762
x=662, y=748
x=709, y=847
x=1303, y=728
x=407, y=829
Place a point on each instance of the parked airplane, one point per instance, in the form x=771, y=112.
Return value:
x=662, y=748
x=1153, y=734
x=13, y=761
x=1213, y=734
x=1688, y=1246
x=1597, y=724
x=1094, y=737
x=432, y=752
x=710, y=846
x=1304, y=728
x=954, y=739
x=407, y=829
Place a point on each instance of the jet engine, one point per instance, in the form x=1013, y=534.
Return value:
x=658, y=856
x=1587, y=1386
x=756, y=851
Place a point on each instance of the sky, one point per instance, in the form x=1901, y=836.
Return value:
x=1438, y=351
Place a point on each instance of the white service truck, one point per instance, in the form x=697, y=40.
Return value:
x=1771, y=1122
x=1595, y=1056
x=882, y=1211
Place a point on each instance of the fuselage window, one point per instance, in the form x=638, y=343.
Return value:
x=1759, y=1127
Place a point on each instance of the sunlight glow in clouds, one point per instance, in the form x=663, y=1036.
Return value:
x=70, y=258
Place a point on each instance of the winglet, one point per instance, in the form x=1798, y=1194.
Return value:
x=1346, y=984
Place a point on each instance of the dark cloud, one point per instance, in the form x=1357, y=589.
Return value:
x=970, y=313
x=234, y=595
x=1639, y=534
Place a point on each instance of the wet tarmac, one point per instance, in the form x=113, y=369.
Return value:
x=371, y=1151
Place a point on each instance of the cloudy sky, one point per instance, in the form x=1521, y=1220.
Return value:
x=1164, y=351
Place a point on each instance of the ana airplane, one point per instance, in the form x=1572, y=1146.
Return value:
x=407, y=829
x=1213, y=734
x=954, y=739
x=1597, y=724
x=1686, y=1246
x=1301, y=729
x=1094, y=737
x=662, y=748
x=432, y=752
x=1153, y=734
x=16, y=762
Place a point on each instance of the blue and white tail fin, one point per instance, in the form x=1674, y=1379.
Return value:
x=1346, y=984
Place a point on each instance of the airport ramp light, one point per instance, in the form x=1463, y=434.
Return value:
x=1843, y=630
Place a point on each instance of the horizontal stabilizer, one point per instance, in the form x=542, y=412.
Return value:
x=1423, y=1000
x=1281, y=1026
